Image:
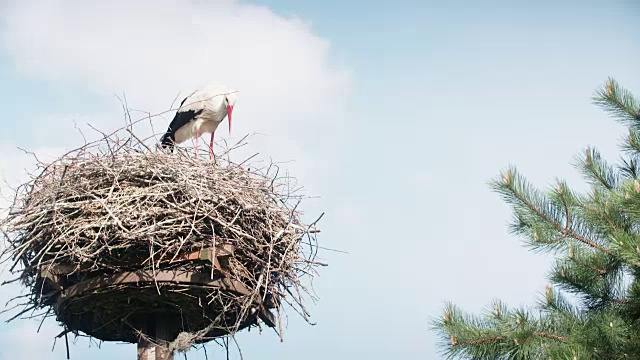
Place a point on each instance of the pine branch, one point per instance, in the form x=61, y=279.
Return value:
x=597, y=171
x=591, y=275
x=517, y=334
x=600, y=233
x=534, y=212
x=631, y=143
x=629, y=168
x=619, y=102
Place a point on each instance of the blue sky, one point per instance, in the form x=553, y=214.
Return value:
x=398, y=115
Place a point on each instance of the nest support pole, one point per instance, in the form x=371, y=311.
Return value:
x=154, y=327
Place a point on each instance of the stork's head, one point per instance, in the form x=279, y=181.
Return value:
x=230, y=101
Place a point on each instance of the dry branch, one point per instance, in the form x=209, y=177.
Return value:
x=112, y=232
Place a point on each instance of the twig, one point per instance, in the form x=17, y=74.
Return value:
x=110, y=207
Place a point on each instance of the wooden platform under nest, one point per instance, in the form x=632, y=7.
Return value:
x=119, y=306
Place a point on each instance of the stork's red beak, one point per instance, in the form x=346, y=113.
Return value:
x=229, y=111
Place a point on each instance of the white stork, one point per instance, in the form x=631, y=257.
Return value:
x=200, y=112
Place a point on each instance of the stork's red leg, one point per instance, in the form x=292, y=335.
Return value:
x=211, y=146
x=196, y=149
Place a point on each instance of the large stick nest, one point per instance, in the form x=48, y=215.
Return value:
x=112, y=233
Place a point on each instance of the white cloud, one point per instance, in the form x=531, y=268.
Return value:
x=15, y=167
x=151, y=50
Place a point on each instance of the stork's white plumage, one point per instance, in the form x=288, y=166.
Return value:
x=200, y=112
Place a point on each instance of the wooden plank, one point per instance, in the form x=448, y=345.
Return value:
x=53, y=275
x=221, y=251
x=148, y=277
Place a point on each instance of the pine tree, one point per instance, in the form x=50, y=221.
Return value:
x=591, y=310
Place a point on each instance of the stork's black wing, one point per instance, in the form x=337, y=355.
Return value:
x=181, y=119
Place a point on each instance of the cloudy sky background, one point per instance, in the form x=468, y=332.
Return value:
x=396, y=114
